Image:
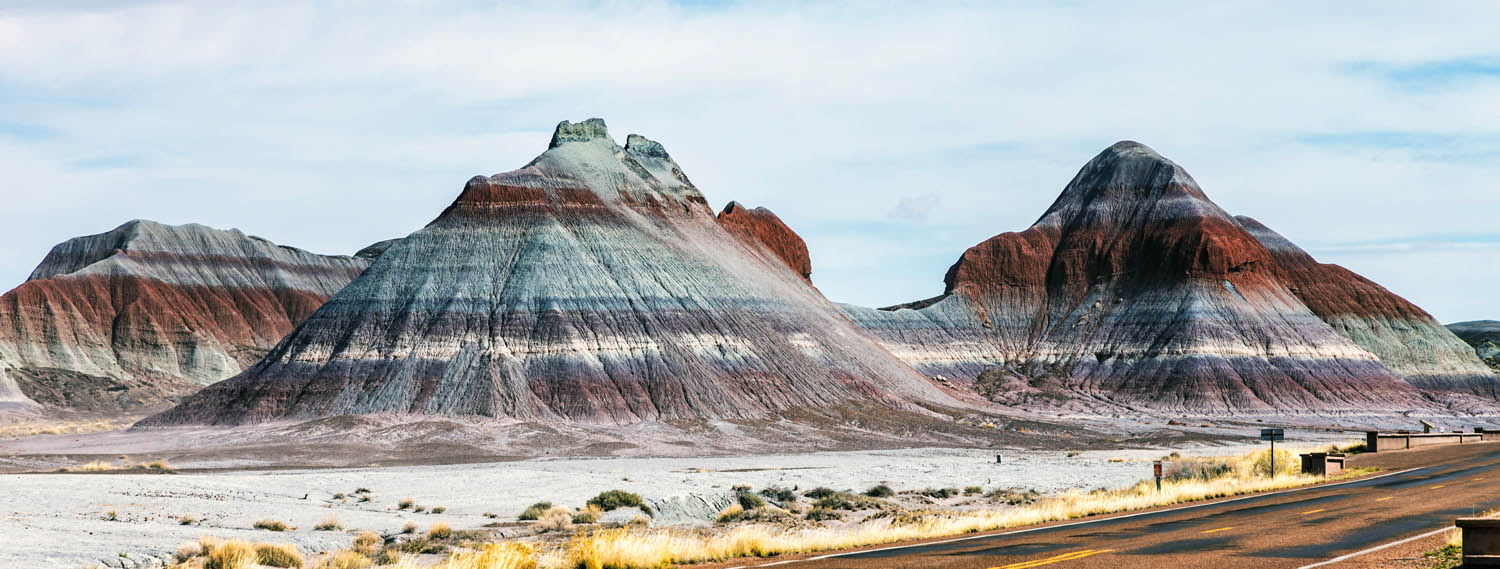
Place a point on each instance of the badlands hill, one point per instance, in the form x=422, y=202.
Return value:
x=593, y=285
x=1135, y=289
x=128, y=319
x=1483, y=336
x=1406, y=338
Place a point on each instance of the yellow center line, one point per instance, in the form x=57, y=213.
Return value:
x=1384, y=499
x=1314, y=511
x=1438, y=486
x=1219, y=530
x=1055, y=559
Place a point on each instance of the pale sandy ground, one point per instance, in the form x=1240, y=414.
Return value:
x=56, y=520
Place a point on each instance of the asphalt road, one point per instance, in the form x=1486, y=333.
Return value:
x=1287, y=529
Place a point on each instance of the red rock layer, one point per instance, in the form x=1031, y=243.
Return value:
x=761, y=228
x=148, y=312
x=592, y=285
x=1135, y=288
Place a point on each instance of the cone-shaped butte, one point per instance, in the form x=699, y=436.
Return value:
x=592, y=285
x=1134, y=288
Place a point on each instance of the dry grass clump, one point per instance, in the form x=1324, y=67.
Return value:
x=279, y=555
x=405, y=503
x=232, y=554
x=409, y=527
x=615, y=499
x=188, y=551
x=534, y=511
x=439, y=530
x=589, y=514
x=555, y=519
x=186, y=520
x=272, y=525
x=438, y=509
x=330, y=523
x=510, y=555
x=345, y=559
x=367, y=543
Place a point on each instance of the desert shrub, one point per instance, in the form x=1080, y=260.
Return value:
x=405, y=503
x=272, y=525
x=278, y=555
x=338, y=495
x=589, y=514
x=409, y=527
x=555, y=519
x=364, y=498
x=188, y=551
x=880, y=491
x=850, y=502
x=781, y=495
x=823, y=514
x=820, y=492
x=232, y=554
x=615, y=499
x=330, y=523
x=939, y=493
x=439, y=509
x=421, y=545
x=419, y=509
x=111, y=515
x=750, y=501
x=186, y=520
x=439, y=530
x=362, y=490
x=534, y=511
x=343, y=560
x=1014, y=496
x=740, y=488
x=511, y=555
x=368, y=543
x=973, y=490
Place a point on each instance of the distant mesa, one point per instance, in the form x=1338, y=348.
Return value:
x=1134, y=288
x=593, y=285
x=132, y=318
x=1484, y=337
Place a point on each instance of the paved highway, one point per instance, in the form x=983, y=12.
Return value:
x=1419, y=491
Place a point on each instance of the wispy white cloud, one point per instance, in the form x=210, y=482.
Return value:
x=328, y=127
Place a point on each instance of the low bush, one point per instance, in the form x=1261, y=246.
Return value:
x=535, y=511
x=615, y=499
x=555, y=519
x=823, y=514
x=880, y=491
x=820, y=492
x=330, y=523
x=439, y=530
x=781, y=495
x=405, y=503
x=232, y=554
x=750, y=501
x=272, y=525
x=589, y=514
x=939, y=493
x=368, y=543
x=343, y=560
x=1014, y=496
x=973, y=490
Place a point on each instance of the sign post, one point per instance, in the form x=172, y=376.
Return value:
x=1273, y=435
x=1156, y=469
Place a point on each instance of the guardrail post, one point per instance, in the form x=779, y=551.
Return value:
x=1481, y=541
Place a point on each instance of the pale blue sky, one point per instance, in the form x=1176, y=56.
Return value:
x=891, y=138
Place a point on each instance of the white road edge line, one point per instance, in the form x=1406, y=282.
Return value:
x=1079, y=523
x=1377, y=548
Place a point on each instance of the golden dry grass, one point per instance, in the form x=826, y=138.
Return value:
x=493, y=556
x=330, y=523
x=439, y=530
x=101, y=466
x=283, y=555
x=231, y=554
x=343, y=560
x=64, y=428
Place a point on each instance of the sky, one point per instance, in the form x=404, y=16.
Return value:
x=891, y=136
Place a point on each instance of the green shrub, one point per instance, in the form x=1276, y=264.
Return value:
x=939, y=493
x=880, y=491
x=781, y=495
x=823, y=514
x=616, y=499
x=750, y=501
x=820, y=492
x=973, y=490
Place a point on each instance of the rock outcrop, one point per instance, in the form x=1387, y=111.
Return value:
x=130, y=318
x=1406, y=338
x=1484, y=337
x=592, y=285
x=1135, y=288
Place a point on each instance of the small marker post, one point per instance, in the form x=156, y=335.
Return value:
x=1156, y=470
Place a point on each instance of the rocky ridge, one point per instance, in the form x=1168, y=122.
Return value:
x=132, y=317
